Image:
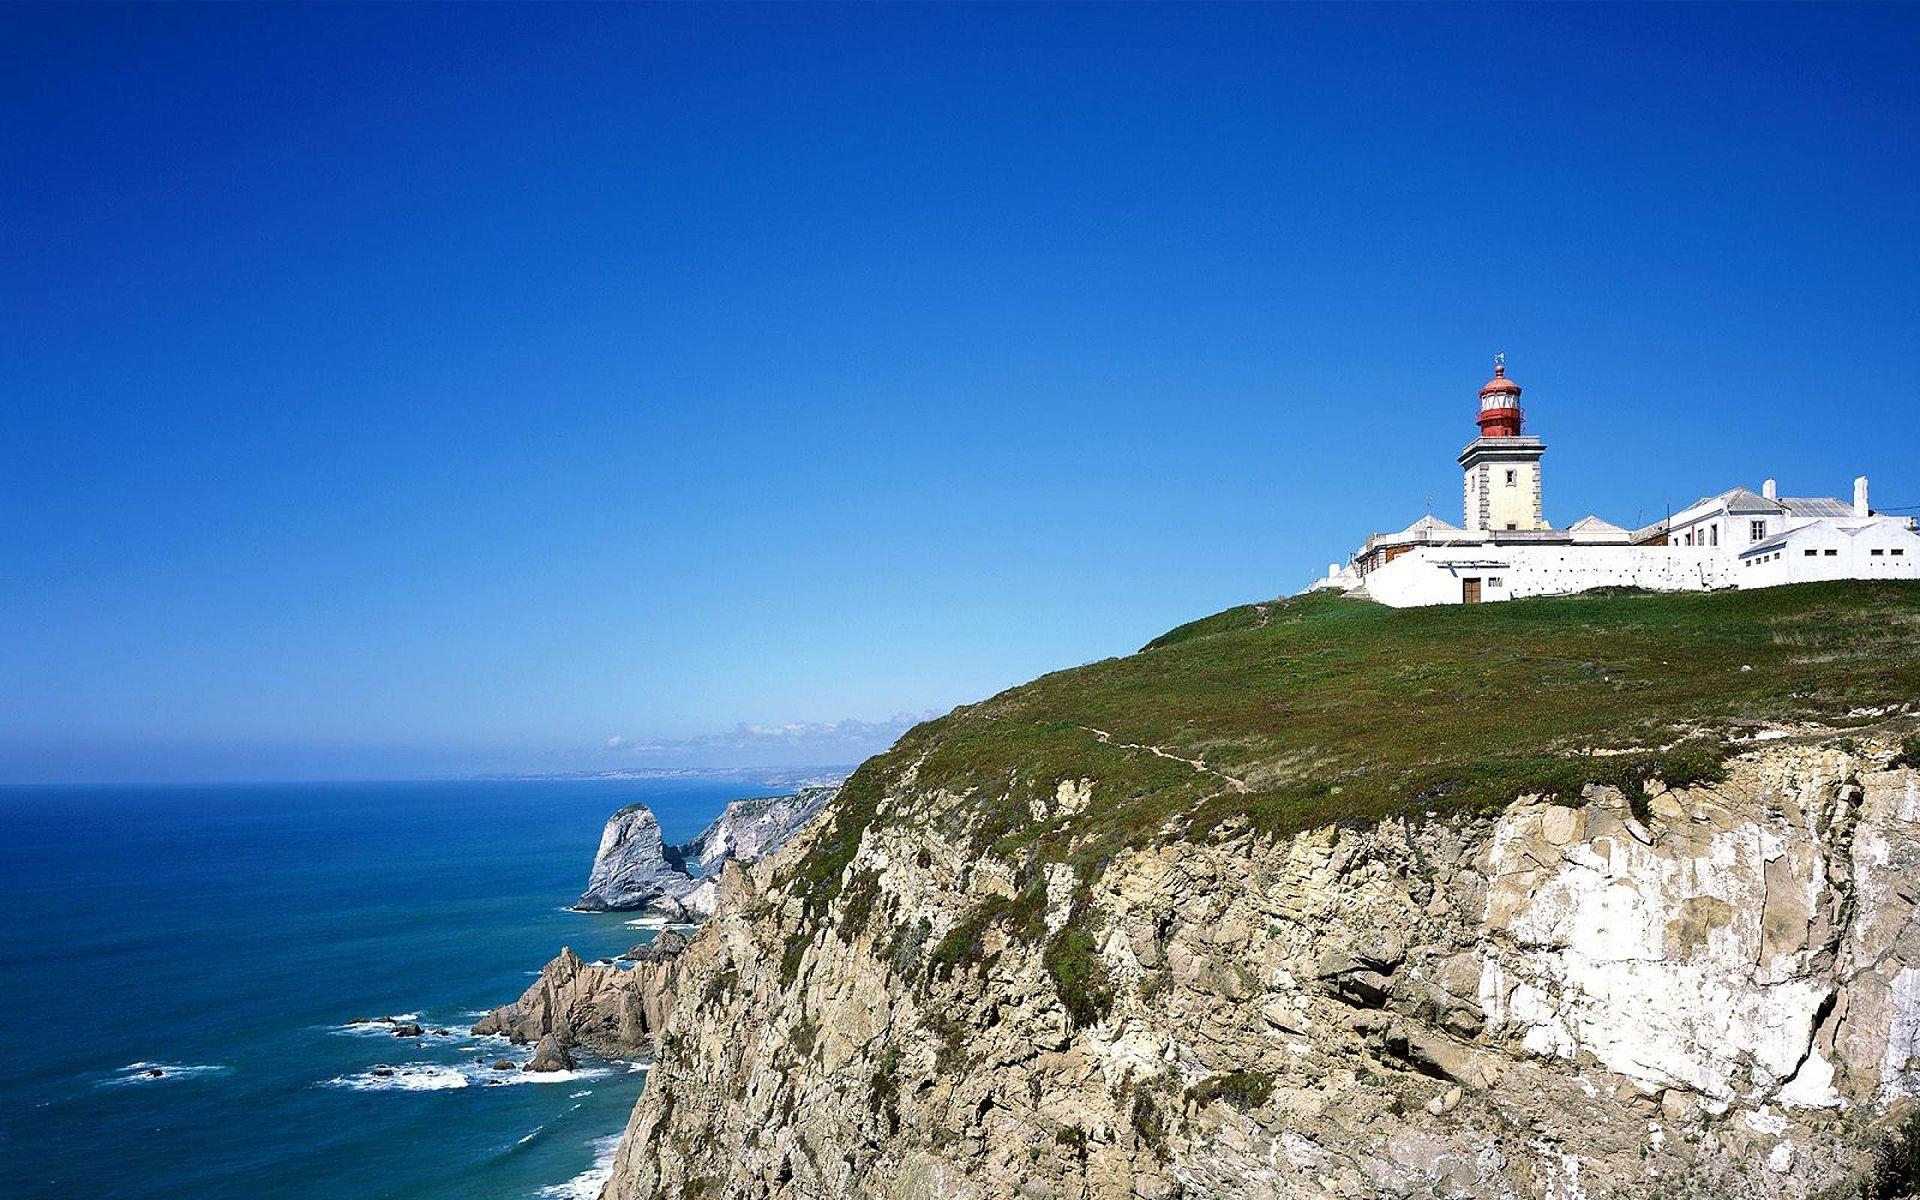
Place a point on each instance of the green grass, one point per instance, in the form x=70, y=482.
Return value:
x=1330, y=710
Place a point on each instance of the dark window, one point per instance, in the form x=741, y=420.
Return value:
x=1831, y=553
x=1812, y=553
x=1877, y=552
x=1756, y=530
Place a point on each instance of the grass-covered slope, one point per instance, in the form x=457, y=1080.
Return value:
x=1319, y=709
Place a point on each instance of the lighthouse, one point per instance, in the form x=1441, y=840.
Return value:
x=1502, y=465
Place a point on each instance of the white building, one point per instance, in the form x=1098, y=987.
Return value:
x=1505, y=548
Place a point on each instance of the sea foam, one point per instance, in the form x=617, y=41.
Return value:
x=143, y=1072
x=587, y=1184
x=436, y=1077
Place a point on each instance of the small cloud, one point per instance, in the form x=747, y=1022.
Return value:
x=615, y=742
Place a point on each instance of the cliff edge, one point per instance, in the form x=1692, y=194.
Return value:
x=1596, y=896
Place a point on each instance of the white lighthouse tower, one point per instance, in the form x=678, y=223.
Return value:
x=1502, y=465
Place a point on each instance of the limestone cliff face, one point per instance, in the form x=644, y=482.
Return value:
x=633, y=865
x=636, y=868
x=1717, y=997
x=749, y=830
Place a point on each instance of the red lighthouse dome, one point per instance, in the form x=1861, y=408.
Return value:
x=1500, y=414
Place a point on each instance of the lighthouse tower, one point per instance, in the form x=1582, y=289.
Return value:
x=1502, y=465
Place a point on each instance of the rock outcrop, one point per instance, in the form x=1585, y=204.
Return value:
x=549, y=1054
x=614, y=1012
x=749, y=830
x=636, y=868
x=634, y=865
x=1706, y=991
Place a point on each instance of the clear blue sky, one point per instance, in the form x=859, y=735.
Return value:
x=403, y=390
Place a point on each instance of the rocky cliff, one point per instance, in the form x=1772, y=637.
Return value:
x=613, y=1011
x=1575, y=899
x=1562, y=1001
x=749, y=830
x=636, y=868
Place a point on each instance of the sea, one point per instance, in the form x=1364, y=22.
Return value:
x=226, y=937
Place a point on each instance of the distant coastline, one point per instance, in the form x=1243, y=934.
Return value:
x=783, y=777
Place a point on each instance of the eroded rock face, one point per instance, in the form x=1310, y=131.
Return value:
x=550, y=1054
x=613, y=1011
x=749, y=830
x=634, y=865
x=1722, y=1000
x=636, y=868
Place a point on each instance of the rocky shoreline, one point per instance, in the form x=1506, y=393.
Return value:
x=614, y=1012
x=616, y=1009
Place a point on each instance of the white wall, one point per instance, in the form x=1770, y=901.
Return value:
x=1434, y=574
x=1734, y=529
x=1852, y=554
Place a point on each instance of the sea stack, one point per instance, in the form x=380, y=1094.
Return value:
x=634, y=865
x=636, y=868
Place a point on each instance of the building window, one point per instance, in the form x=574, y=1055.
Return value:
x=1713, y=535
x=1877, y=552
x=1513, y=477
x=1831, y=553
x=1494, y=581
x=1811, y=553
x=1756, y=530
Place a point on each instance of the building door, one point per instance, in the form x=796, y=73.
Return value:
x=1469, y=591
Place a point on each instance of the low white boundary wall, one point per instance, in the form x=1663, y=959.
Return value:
x=1437, y=574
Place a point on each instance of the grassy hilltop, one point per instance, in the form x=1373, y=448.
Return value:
x=1319, y=709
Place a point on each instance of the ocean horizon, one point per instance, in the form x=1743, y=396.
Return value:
x=227, y=935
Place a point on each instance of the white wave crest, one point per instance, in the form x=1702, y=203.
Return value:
x=587, y=1184
x=160, y=1072
x=435, y=1077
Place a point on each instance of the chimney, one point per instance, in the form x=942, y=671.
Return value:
x=1333, y=570
x=1860, y=508
x=1770, y=490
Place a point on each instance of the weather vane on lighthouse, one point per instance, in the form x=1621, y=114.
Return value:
x=1500, y=360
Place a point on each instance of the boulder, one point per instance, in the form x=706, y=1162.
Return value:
x=550, y=1055
x=669, y=943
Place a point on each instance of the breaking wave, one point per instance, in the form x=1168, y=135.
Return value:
x=587, y=1184
x=160, y=1072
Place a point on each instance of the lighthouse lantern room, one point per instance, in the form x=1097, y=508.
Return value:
x=1502, y=465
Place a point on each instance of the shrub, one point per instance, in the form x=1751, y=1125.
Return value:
x=1895, y=1172
x=1079, y=975
x=1909, y=755
x=1244, y=1090
x=1150, y=1125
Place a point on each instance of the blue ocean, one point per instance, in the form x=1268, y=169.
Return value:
x=226, y=936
